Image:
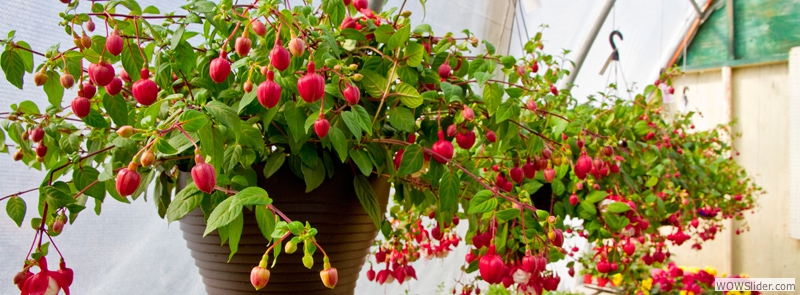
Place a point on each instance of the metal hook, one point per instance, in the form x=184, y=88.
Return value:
x=615, y=54
x=685, y=98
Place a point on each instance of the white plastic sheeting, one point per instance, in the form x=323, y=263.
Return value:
x=129, y=250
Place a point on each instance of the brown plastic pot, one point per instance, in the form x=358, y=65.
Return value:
x=345, y=232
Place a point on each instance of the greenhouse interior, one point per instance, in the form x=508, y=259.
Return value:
x=400, y=147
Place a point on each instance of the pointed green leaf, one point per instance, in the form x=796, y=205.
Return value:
x=16, y=209
x=369, y=200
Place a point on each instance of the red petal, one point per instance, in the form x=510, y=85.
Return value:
x=39, y=283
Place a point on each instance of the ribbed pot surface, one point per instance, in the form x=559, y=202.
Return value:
x=345, y=232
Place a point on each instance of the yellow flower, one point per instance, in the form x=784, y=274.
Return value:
x=711, y=270
x=616, y=279
x=647, y=284
x=683, y=292
x=734, y=293
x=746, y=292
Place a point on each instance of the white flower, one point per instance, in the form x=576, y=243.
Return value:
x=521, y=277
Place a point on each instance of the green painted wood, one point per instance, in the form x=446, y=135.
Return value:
x=764, y=30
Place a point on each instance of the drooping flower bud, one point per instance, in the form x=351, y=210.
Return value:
x=259, y=28
x=67, y=80
x=242, y=46
x=352, y=94
x=269, y=92
x=297, y=47
x=279, y=56
x=259, y=277
x=37, y=134
x=549, y=174
x=583, y=166
x=128, y=180
x=220, y=68
x=443, y=149
x=329, y=277
x=40, y=77
x=516, y=174
x=445, y=70
x=491, y=136
x=101, y=73
x=114, y=87
x=148, y=158
x=491, y=266
x=145, y=91
x=114, y=43
x=204, y=175
x=124, y=76
x=81, y=106
x=322, y=126
x=348, y=23
x=311, y=86
x=125, y=131
x=360, y=4
x=468, y=113
x=465, y=140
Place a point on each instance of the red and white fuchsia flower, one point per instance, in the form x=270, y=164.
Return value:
x=45, y=282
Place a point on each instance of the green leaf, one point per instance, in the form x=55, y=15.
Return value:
x=84, y=177
x=352, y=121
x=588, y=207
x=373, y=83
x=414, y=54
x=402, y=119
x=409, y=95
x=26, y=55
x=13, y=66
x=16, y=209
x=383, y=33
x=253, y=195
x=131, y=59
x=449, y=187
x=412, y=160
x=335, y=10
x=450, y=91
x=507, y=110
x=508, y=61
x=28, y=107
x=363, y=118
x=235, y=234
x=295, y=118
x=339, y=143
x=53, y=89
x=222, y=215
x=369, y=200
x=618, y=207
x=163, y=146
x=224, y=114
x=266, y=221
x=313, y=176
x=423, y=28
x=192, y=120
x=492, y=97
x=483, y=201
x=361, y=157
x=398, y=38
x=247, y=99
x=652, y=181
x=204, y=7
x=482, y=77
x=96, y=120
x=274, y=162
x=117, y=109
x=57, y=198
x=184, y=202
x=596, y=196
x=507, y=214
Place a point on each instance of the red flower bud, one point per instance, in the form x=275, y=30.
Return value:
x=491, y=267
x=145, y=91
x=37, y=134
x=329, y=276
x=259, y=277
x=445, y=70
x=88, y=90
x=398, y=158
x=573, y=200
x=297, y=47
x=204, y=176
x=360, y=4
x=242, y=46
x=443, y=149
x=352, y=94
x=371, y=274
x=322, y=126
x=41, y=150
x=279, y=56
x=583, y=166
x=81, y=106
x=67, y=80
x=220, y=68
x=40, y=77
x=451, y=130
x=124, y=76
x=465, y=140
x=348, y=23
x=516, y=174
x=101, y=74
x=553, y=90
x=311, y=86
x=114, y=87
x=269, y=92
x=259, y=28
x=468, y=113
x=549, y=174
x=529, y=169
x=114, y=43
x=127, y=181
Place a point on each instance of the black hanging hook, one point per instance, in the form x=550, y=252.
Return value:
x=615, y=54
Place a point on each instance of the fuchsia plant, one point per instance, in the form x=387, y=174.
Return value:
x=384, y=96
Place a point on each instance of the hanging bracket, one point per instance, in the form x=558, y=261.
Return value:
x=615, y=52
